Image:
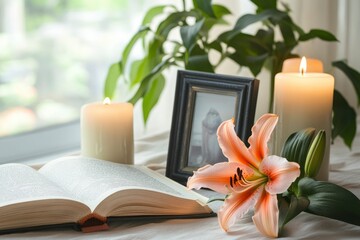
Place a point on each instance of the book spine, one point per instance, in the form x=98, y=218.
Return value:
x=93, y=223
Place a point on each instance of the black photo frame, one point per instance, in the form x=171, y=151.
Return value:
x=202, y=101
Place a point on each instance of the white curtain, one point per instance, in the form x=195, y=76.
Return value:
x=341, y=17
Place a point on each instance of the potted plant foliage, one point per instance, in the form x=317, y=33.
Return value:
x=254, y=51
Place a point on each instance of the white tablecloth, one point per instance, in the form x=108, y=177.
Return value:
x=152, y=151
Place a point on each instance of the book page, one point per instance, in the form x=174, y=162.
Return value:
x=28, y=199
x=92, y=180
x=21, y=183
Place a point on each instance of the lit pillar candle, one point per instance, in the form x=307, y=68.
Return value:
x=293, y=65
x=107, y=131
x=304, y=100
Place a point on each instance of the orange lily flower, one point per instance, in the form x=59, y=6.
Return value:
x=251, y=177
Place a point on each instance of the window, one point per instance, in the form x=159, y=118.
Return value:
x=54, y=58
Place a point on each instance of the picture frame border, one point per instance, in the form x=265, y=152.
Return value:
x=188, y=84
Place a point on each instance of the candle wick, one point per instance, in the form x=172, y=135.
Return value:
x=302, y=71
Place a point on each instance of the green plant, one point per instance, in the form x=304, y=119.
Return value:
x=256, y=52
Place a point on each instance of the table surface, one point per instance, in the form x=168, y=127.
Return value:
x=152, y=151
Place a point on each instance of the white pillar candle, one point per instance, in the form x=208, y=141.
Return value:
x=293, y=65
x=107, y=131
x=304, y=100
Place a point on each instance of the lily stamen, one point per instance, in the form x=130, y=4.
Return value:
x=238, y=179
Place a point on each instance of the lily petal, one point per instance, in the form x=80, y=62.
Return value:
x=280, y=172
x=238, y=204
x=261, y=132
x=232, y=146
x=216, y=177
x=266, y=217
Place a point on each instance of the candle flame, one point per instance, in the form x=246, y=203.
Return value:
x=303, y=65
x=106, y=101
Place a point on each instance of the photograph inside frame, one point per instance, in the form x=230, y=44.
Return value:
x=202, y=102
x=210, y=111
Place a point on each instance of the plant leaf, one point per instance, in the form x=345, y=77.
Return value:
x=172, y=21
x=111, y=80
x=209, y=23
x=330, y=200
x=220, y=11
x=249, y=19
x=281, y=52
x=198, y=60
x=155, y=53
x=290, y=209
x=153, y=12
x=261, y=4
x=296, y=147
x=315, y=155
x=352, y=74
x=250, y=51
x=255, y=63
x=318, y=33
x=126, y=52
x=266, y=37
x=205, y=7
x=287, y=33
x=344, y=119
x=189, y=34
x=144, y=85
x=215, y=45
x=152, y=96
x=138, y=71
x=296, y=27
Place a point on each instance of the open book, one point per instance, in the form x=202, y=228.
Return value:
x=89, y=192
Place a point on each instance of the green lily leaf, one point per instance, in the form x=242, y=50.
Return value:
x=318, y=33
x=352, y=74
x=220, y=11
x=344, y=119
x=205, y=7
x=111, y=80
x=291, y=208
x=190, y=33
x=152, y=96
x=330, y=200
x=297, y=146
x=315, y=155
